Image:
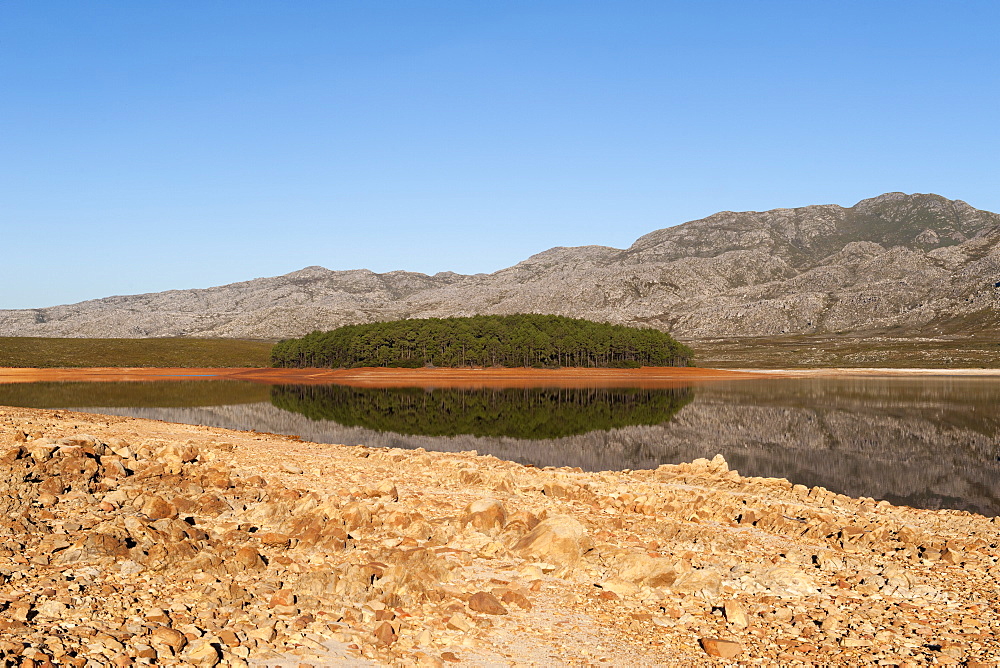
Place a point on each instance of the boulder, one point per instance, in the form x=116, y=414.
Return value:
x=247, y=558
x=788, y=580
x=736, y=614
x=172, y=638
x=560, y=539
x=486, y=602
x=724, y=649
x=485, y=514
x=157, y=508
x=707, y=580
x=644, y=569
x=201, y=653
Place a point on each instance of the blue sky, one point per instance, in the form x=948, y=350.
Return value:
x=147, y=146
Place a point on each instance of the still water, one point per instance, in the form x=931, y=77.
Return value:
x=925, y=442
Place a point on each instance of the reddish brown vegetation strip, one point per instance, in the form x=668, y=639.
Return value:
x=648, y=377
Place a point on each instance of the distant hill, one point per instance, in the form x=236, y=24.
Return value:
x=897, y=263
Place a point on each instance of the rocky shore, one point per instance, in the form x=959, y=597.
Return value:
x=129, y=541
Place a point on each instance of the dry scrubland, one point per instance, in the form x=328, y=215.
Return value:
x=981, y=351
x=23, y=351
x=129, y=541
x=777, y=352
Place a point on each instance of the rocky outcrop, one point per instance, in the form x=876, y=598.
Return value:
x=134, y=542
x=897, y=262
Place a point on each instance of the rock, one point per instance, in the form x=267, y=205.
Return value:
x=487, y=603
x=273, y=539
x=201, y=653
x=387, y=488
x=156, y=508
x=788, y=580
x=356, y=515
x=51, y=609
x=485, y=514
x=282, y=598
x=247, y=558
x=517, y=598
x=425, y=659
x=384, y=634
x=724, y=649
x=622, y=588
x=707, y=580
x=459, y=622
x=736, y=614
x=172, y=638
x=559, y=539
x=644, y=569
x=229, y=638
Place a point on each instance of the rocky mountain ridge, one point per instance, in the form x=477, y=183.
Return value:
x=911, y=264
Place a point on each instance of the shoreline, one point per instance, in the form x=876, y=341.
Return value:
x=213, y=545
x=644, y=377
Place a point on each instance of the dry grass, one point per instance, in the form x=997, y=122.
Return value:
x=173, y=352
x=789, y=352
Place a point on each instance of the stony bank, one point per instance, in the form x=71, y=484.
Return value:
x=136, y=542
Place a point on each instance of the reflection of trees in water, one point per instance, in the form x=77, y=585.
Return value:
x=929, y=442
x=515, y=413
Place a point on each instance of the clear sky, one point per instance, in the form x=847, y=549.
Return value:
x=147, y=146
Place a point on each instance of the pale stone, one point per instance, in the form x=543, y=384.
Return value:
x=724, y=649
x=200, y=652
x=485, y=514
x=487, y=603
x=560, y=539
x=736, y=614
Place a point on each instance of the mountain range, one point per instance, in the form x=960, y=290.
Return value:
x=904, y=264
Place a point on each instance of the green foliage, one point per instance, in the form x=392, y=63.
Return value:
x=168, y=352
x=516, y=413
x=121, y=394
x=522, y=340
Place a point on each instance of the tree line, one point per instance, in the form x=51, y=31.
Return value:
x=521, y=340
x=514, y=413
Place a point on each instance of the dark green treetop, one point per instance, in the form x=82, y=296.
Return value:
x=520, y=340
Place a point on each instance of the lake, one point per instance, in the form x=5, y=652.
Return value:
x=931, y=442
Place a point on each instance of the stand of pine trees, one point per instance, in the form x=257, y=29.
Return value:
x=522, y=340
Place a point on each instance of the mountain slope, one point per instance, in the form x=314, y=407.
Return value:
x=903, y=263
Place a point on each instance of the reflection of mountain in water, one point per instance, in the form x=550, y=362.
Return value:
x=516, y=413
x=926, y=443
